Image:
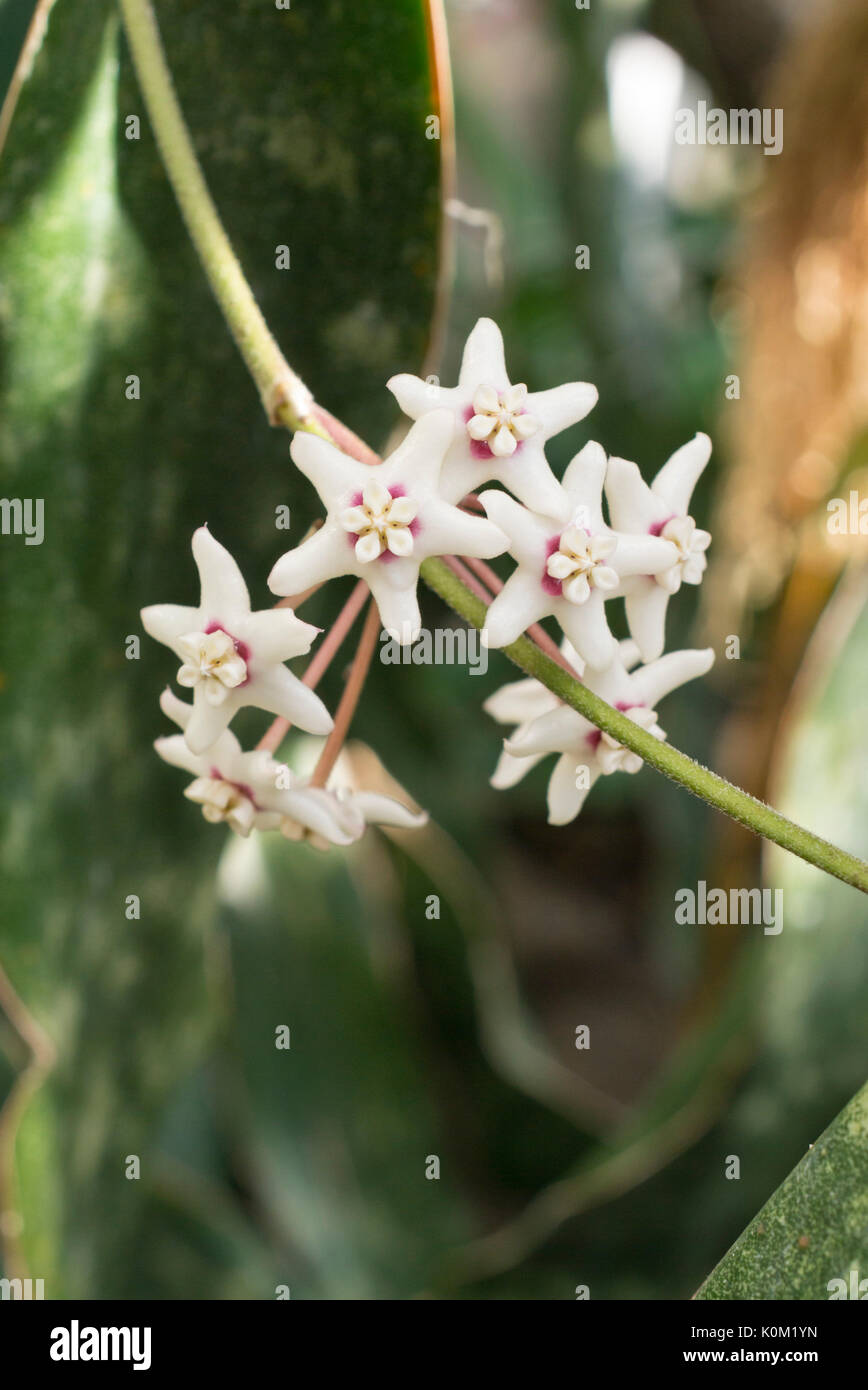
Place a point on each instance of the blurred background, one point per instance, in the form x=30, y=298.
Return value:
x=727, y=291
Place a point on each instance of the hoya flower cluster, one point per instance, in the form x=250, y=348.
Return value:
x=381, y=523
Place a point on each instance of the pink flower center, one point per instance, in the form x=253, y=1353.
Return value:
x=479, y=447
x=396, y=490
x=241, y=647
x=217, y=776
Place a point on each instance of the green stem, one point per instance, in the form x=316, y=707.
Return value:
x=286, y=399
x=288, y=402
x=734, y=802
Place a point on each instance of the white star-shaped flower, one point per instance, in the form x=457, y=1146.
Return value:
x=520, y=703
x=232, y=657
x=568, y=564
x=382, y=521
x=500, y=430
x=251, y=791
x=586, y=753
x=660, y=510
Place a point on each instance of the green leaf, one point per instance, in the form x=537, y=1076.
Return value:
x=812, y=985
x=307, y=121
x=815, y=1227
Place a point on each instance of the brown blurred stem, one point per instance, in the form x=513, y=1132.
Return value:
x=41, y=1056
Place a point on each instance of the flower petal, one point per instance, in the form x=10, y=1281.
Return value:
x=659, y=678
x=562, y=406
x=560, y=729
x=276, y=635
x=319, y=811
x=446, y=530
x=526, y=531
x=415, y=396
x=633, y=507
x=679, y=475
x=483, y=359
x=517, y=702
x=583, y=484
x=167, y=622
x=646, y=617
x=565, y=797
x=418, y=459
x=224, y=593
x=587, y=628
x=643, y=554
x=510, y=770
x=177, y=710
x=521, y=601
x=322, y=556
x=385, y=810
x=208, y=721
x=174, y=750
x=278, y=691
x=333, y=473
x=399, y=608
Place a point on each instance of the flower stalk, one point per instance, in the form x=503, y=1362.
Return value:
x=286, y=399
x=320, y=661
x=349, y=699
